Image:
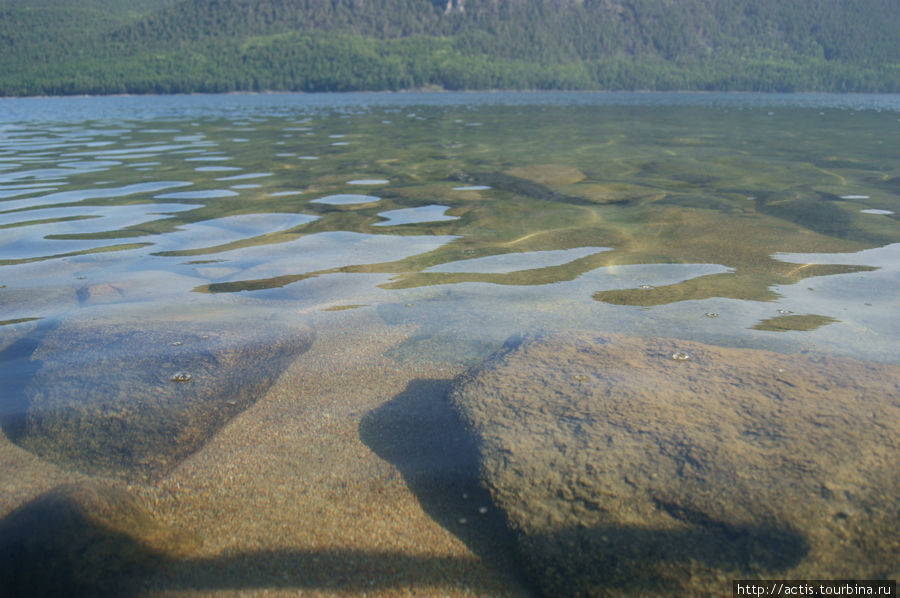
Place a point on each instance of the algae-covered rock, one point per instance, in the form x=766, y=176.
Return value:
x=83, y=540
x=132, y=400
x=644, y=467
x=617, y=193
x=549, y=174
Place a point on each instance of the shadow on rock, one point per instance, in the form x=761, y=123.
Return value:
x=632, y=560
x=18, y=367
x=421, y=434
x=340, y=570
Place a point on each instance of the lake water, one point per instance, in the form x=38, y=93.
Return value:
x=456, y=219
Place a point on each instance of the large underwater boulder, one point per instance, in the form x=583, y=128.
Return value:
x=133, y=399
x=632, y=467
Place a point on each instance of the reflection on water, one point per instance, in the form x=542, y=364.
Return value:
x=344, y=199
x=733, y=220
x=432, y=213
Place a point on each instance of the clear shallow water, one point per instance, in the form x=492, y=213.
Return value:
x=636, y=213
x=470, y=217
x=415, y=215
x=700, y=203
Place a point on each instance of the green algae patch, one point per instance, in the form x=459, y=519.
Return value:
x=105, y=249
x=616, y=193
x=343, y=307
x=676, y=235
x=18, y=321
x=548, y=174
x=805, y=322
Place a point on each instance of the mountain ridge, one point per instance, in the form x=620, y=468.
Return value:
x=166, y=46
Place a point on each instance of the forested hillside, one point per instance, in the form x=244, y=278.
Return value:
x=162, y=46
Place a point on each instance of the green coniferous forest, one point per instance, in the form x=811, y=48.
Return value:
x=54, y=47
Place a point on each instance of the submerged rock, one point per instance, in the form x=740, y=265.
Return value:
x=549, y=174
x=133, y=400
x=626, y=472
x=618, y=193
x=83, y=540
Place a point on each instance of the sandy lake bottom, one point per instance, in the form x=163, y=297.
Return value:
x=292, y=498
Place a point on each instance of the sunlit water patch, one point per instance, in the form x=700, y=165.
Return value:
x=204, y=194
x=862, y=304
x=220, y=231
x=8, y=191
x=241, y=177
x=472, y=188
x=217, y=168
x=85, y=219
x=80, y=195
x=432, y=213
x=320, y=252
x=368, y=182
x=345, y=199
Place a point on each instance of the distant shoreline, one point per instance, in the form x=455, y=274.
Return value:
x=443, y=91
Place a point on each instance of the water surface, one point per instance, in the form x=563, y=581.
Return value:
x=737, y=220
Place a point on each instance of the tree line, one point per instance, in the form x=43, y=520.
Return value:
x=342, y=45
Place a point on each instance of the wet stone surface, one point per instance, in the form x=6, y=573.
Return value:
x=132, y=400
x=625, y=472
